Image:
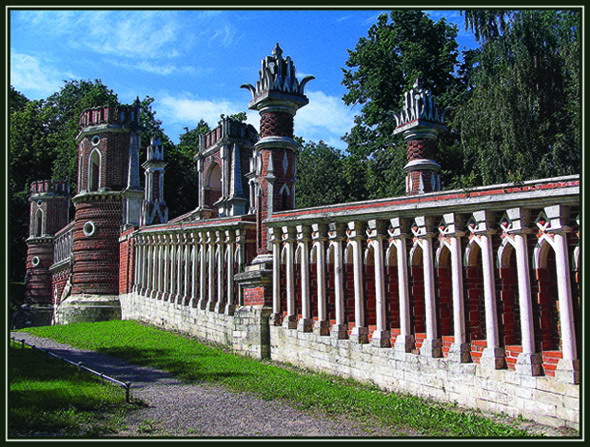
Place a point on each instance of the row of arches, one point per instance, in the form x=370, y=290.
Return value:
x=493, y=308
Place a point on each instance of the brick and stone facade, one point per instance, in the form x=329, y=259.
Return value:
x=468, y=296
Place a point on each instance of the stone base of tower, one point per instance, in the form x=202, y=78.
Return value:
x=31, y=315
x=88, y=308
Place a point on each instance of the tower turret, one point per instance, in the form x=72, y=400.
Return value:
x=420, y=122
x=49, y=209
x=277, y=97
x=109, y=199
x=154, y=209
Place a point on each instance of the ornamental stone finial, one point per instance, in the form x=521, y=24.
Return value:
x=277, y=80
x=419, y=113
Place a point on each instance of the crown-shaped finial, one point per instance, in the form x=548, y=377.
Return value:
x=277, y=51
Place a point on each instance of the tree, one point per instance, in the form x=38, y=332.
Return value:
x=320, y=175
x=522, y=119
x=398, y=49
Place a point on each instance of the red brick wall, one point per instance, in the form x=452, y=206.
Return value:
x=96, y=257
x=38, y=288
x=127, y=264
x=60, y=279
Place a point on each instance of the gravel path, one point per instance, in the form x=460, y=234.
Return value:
x=175, y=408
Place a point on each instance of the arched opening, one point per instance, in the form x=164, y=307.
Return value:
x=475, y=329
x=444, y=298
x=348, y=284
x=94, y=171
x=392, y=292
x=509, y=330
x=38, y=225
x=417, y=306
x=213, y=186
x=369, y=290
x=286, y=202
x=546, y=307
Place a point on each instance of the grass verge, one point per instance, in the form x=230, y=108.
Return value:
x=194, y=361
x=48, y=398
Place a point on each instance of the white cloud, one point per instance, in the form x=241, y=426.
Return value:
x=29, y=74
x=324, y=118
x=187, y=110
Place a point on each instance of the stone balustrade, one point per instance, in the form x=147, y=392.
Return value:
x=482, y=276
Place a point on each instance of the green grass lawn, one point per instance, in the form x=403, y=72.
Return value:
x=194, y=361
x=49, y=398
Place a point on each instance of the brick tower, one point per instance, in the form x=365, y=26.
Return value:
x=277, y=97
x=108, y=200
x=49, y=206
x=154, y=209
x=420, y=123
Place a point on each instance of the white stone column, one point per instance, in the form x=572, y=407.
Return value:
x=172, y=268
x=459, y=350
x=399, y=233
x=336, y=235
x=275, y=239
x=568, y=367
x=221, y=278
x=319, y=236
x=231, y=301
x=431, y=346
x=202, y=271
x=305, y=323
x=377, y=234
x=493, y=355
x=194, y=271
x=187, y=269
x=159, y=267
x=288, y=238
x=147, y=290
x=179, y=268
x=211, y=271
x=154, y=271
x=529, y=361
x=137, y=278
x=166, y=286
x=360, y=332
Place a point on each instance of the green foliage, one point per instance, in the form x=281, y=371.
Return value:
x=522, y=119
x=49, y=398
x=195, y=361
x=399, y=48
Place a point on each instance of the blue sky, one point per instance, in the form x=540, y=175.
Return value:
x=194, y=61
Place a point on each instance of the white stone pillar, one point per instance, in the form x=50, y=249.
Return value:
x=319, y=237
x=305, y=323
x=377, y=234
x=202, y=271
x=179, y=268
x=459, y=351
x=155, y=265
x=137, y=279
x=529, y=361
x=159, y=261
x=187, y=269
x=166, y=286
x=231, y=301
x=221, y=278
x=194, y=271
x=274, y=235
x=399, y=233
x=336, y=234
x=288, y=238
x=211, y=271
x=568, y=367
x=360, y=332
x=431, y=346
x=493, y=355
x=147, y=291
